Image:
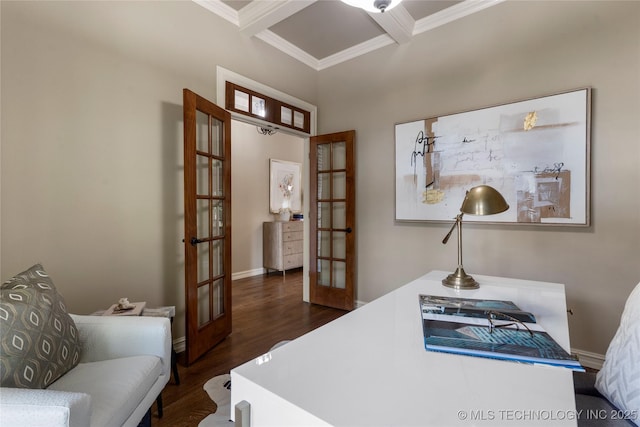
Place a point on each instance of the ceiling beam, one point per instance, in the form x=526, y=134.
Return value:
x=397, y=22
x=258, y=16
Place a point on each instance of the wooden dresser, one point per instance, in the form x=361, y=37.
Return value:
x=282, y=245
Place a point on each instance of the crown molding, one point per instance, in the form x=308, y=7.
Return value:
x=355, y=51
x=220, y=9
x=292, y=50
x=450, y=14
x=258, y=16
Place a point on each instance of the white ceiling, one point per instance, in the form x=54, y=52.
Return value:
x=323, y=33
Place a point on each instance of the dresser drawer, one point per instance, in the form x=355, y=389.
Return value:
x=292, y=261
x=292, y=235
x=292, y=226
x=292, y=247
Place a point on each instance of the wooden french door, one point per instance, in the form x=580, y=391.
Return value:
x=332, y=264
x=207, y=224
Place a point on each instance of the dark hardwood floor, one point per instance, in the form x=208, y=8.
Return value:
x=266, y=310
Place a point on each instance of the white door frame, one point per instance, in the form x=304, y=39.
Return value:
x=222, y=76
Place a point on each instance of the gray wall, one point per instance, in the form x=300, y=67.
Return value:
x=92, y=134
x=509, y=52
x=92, y=140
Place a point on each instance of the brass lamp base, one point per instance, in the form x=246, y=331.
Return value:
x=460, y=280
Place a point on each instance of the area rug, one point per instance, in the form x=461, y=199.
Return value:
x=219, y=390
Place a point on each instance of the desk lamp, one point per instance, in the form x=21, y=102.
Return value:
x=480, y=200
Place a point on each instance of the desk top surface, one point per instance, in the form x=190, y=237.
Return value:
x=370, y=366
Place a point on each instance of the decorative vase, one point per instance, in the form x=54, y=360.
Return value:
x=284, y=215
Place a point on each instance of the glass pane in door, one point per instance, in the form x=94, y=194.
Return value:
x=339, y=215
x=324, y=157
x=324, y=214
x=324, y=186
x=202, y=175
x=324, y=272
x=218, y=219
x=203, y=305
x=324, y=243
x=339, y=275
x=202, y=136
x=217, y=176
x=202, y=215
x=217, y=257
x=217, y=143
x=339, y=155
x=218, y=298
x=203, y=263
x=339, y=185
x=339, y=245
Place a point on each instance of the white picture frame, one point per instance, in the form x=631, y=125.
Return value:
x=285, y=186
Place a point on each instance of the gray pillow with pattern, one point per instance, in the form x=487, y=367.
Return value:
x=40, y=341
x=619, y=378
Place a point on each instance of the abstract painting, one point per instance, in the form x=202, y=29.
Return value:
x=536, y=153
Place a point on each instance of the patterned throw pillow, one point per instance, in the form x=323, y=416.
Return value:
x=39, y=340
x=619, y=378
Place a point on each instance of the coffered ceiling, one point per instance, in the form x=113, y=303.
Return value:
x=323, y=33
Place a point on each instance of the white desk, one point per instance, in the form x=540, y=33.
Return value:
x=370, y=368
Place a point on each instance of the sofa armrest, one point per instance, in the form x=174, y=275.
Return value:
x=111, y=337
x=21, y=407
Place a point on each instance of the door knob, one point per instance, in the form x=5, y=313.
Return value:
x=194, y=241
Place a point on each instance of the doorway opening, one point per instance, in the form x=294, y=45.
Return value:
x=251, y=155
x=222, y=76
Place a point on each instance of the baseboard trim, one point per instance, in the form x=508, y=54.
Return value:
x=589, y=359
x=180, y=344
x=248, y=273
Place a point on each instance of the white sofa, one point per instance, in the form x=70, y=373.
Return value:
x=125, y=363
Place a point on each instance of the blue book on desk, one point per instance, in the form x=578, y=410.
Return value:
x=495, y=336
x=469, y=307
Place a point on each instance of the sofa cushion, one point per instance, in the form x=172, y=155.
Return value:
x=619, y=378
x=39, y=339
x=116, y=386
x=21, y=407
